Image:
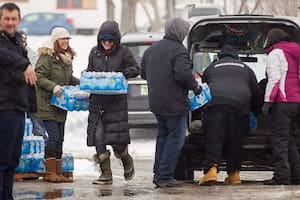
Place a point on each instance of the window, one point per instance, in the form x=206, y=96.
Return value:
x=77, y=4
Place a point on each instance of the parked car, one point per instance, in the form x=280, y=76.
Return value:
x=138, y=106
x=42, y=23
x=248, y=34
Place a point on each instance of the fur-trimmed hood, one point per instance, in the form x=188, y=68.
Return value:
x=47, y=48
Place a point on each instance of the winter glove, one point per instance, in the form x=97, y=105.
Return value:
x=58, y=90
x=198, y=90
x=266, y=108
x=130, y=72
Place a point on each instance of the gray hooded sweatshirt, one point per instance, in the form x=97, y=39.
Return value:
x=168, y=70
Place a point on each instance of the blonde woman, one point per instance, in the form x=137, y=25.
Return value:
x=54, y=70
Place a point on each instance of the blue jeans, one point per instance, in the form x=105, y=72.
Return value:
x=169, y=141
x=12, y=124
x=56, y=132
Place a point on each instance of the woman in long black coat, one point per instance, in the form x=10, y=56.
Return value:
x=108, y=117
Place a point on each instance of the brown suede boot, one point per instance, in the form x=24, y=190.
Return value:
x=50, y=174
x=210, y=178
x=59, y=173
x=233, y=178
x=106, y=175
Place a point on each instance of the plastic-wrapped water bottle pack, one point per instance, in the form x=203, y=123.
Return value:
x=197, y=101
x=72, y=99
x=33, y=151
x=103, y=82
x=67, y=162
x=32, y=157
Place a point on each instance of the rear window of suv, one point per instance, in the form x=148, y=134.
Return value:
x=206, y=39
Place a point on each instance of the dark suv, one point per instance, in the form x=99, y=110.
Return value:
x=248, y=35
x=138, y=107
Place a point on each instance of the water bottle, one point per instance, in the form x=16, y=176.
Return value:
x=28, y=128
x=26, y=149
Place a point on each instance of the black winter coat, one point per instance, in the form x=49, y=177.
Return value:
x=15, y=94
x=111, y=110
x=232, y=83
x=168, y=70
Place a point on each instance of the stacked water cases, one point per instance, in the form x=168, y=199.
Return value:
x=31, y=164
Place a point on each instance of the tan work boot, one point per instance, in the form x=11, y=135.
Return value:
x=59, y=173
x=233, y=178
x=50, y=174
x=106, y=175
x=210, y=178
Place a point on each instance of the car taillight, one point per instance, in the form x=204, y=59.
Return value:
x=70, y=21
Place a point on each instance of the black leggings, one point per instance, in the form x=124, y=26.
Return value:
x=118, y=148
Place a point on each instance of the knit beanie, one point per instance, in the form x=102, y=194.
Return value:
x=58, y=33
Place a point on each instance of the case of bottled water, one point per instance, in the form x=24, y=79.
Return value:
x=103, y=82
x=24, y=164
x=32, y=152
x=72, y=99
x=67, y=162
x=197, y=101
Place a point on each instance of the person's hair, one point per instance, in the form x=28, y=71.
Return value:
x=10, y=7
x=277, y=35
x=58, y=50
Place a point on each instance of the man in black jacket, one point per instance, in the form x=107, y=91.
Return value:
x=235, y=92
x=17, y=78
x=168, y=70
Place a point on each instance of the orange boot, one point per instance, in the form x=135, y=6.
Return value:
x=233, y=178
x=210, y=178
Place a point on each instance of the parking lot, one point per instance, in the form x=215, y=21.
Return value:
x=141, y=187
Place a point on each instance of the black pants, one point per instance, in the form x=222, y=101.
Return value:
x=285, y=153
x=11, y=135
x=224, y=129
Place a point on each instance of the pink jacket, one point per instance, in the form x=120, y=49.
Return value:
x=283, y=73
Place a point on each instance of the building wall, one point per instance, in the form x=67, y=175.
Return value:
x=89, y=18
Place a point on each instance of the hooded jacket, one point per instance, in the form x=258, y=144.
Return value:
x=51, y=70
x=110, y=110
x=232, y=82
x=283, y=73
x=168, y=70
x=15, y=95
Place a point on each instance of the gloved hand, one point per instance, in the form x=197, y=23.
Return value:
x=198, y=90
x=58, y=90
x=266, y=108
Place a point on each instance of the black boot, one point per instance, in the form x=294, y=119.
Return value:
x=127, y=162
x=106, y=175
x=275, y=182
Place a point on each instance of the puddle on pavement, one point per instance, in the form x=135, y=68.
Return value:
x=125, y=193
x=53, y=194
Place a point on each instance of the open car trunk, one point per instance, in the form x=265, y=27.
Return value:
x=248, y=35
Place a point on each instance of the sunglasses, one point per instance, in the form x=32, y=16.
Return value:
x=107, y=40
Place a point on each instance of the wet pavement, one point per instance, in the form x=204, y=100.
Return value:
x=141, y=187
